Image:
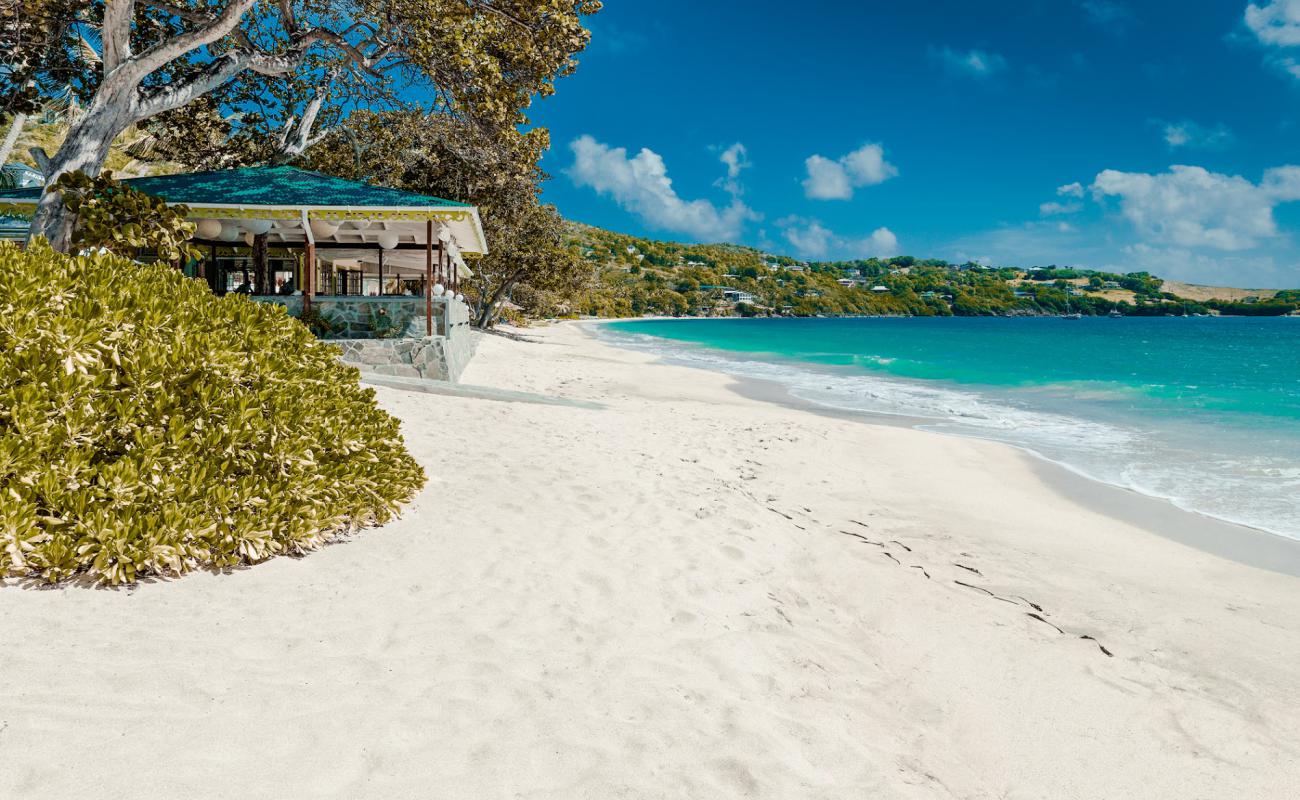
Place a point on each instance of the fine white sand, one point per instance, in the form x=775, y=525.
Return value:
x=685, y=594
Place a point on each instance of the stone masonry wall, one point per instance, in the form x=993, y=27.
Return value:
x=388, y=335
x=373, y=317
x=431, y=357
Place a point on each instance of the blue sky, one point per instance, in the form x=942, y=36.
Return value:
x=1121, y=134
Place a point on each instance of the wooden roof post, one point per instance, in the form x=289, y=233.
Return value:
x=308, y=265
x=428, y=277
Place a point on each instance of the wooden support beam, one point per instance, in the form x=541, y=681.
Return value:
x=262, y=274
x=428, y=278
x=309, y=275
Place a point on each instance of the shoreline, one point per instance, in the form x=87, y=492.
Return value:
x=1221, y=536
x=1243, y=544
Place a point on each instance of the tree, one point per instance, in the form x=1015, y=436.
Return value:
x=496, y=169
x=482, y=59
x=531, y=250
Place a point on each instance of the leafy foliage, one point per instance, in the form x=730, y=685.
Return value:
x=148, y=427
x=123, y=220
x=38, y=47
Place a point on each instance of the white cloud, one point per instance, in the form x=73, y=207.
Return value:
x=736, y=158
x=1288, y=65
x=1190, y=134
x=975, y=63
x=836, y=179
x=1254, y=270
x=1191, y=207
x=827, y=180
x=1053, y=208
x=641, y=185
x=814, y=240
x=1276, y=22
x=1070, y=190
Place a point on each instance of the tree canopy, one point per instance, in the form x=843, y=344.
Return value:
x=274, y=75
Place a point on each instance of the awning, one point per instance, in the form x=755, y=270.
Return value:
x=276, y=201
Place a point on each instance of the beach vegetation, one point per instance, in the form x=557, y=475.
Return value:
x=112, y=216
x=148, y=427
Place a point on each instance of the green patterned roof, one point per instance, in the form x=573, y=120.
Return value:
x=267, y=186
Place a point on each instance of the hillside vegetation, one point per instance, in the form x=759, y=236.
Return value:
x=633, y=276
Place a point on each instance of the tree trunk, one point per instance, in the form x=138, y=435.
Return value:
x=489, y=311
x=11, y=138
x=263, y=277
x=85, y=149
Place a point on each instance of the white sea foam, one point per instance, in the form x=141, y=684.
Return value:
x=1238, y=485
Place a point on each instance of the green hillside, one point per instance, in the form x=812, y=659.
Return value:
x=633, y=276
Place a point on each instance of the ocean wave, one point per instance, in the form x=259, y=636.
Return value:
x=1142, y=455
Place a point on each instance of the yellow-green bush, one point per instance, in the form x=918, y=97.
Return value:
x=148, y=427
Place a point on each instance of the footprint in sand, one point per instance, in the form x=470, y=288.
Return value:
x=734, y=553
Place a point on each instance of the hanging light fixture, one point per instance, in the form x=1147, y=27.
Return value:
x=257, y=227
x=207, y=229
x=230, y=231
x=323, y=229
x=388, y=239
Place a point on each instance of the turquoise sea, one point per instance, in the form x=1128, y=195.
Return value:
x=1202, y=411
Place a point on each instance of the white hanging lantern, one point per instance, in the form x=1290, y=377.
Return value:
x=248, y=239
x=438, y=290
x=460, y=297
x=388, y=239
x=322, y=229
x=207, y=229
x=230, y=232
x=257, y=227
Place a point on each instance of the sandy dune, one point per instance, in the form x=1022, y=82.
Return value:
x=686, y=594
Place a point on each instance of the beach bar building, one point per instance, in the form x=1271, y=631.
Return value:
x=379, y=269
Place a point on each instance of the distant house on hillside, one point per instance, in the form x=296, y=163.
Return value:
x=879, y=289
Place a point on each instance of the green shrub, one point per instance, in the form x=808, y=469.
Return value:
x=148, y=427
x=121, y=219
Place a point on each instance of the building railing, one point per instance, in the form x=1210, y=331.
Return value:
x=376, y=317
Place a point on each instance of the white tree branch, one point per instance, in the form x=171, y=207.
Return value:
x=160, y=54
x=116, y=33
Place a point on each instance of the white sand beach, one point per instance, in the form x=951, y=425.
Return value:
x=686, y=593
